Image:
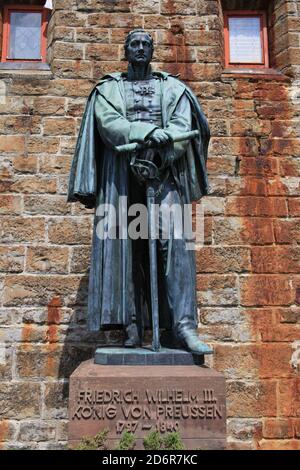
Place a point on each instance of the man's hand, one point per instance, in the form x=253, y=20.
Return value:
x=159, y=137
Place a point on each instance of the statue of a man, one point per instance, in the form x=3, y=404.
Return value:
x=151, y=108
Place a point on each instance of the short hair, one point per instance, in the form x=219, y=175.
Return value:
x=134, y=31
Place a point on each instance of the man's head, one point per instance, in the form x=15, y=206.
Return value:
x=139, y=47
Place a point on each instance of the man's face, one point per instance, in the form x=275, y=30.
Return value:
x=139, y=50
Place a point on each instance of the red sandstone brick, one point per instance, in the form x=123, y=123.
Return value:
x=166, y=54
x=223, y=259
x=273, y=110
x=46, y=205
x=270, y=91
x=59, y=126
x=208, y=54
x=276, y=324
x=289, y=166
x=244, y=89
x=219, y=127
x=291, y=315
x=289, y=147
x=287, y=230
x=30, y=87
x=277, y=428
x=285, y=129
x=283, y=444
x=221, y=166
x=275, y=360
x=12, y=143
x=75, y=87
x=74, y=18
x=124, y=20
x=244, y=109
x=289, y=397
x=182, y=7
x=283, y=187
x=40, y=290
x=62, y=33
x=61, y=50
x=294, y=206
x=55, y=164
x=219, y=108
x=40, y=259
x=191, y=71
x=254, y=361
x=12, y=259
x=69, y=230
x=102, y=52
x=296, y=427
x=224, y=146
x=103, y=5
x=254, y=186
x=102, y=68
x=75, y=107
x=80, y=259
x=251, y=399
x=259, y=166
x=266, y=290
x=191, y=38
x=72, y=68
x=31, y=184
x=118, y=35
x=22, y=229
x=250, y=127
x=156, y=22
x=275, y=259
x=187, y=54
x=217, y=289
x=10, y=204
x=246, y=230
x=43, y=144
x=261, y=322
x=257, y=206
x=99, y=35
x=25, y=163
x=20, y=124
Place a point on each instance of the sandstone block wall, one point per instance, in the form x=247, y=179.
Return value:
x=248, y=273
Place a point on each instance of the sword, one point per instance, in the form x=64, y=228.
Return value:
x=150, y=192
x=153, y=266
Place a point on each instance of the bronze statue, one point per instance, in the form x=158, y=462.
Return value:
x=153, y=109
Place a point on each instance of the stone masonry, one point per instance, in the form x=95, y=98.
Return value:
x=248, y=272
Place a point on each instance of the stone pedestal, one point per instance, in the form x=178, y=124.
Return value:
x=185, y=398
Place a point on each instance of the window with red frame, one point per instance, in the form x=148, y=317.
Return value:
x=246, y=39
x=24, y=33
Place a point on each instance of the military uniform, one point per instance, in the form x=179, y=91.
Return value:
x=176, y=264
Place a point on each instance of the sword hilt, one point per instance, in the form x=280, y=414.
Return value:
x=142, y=146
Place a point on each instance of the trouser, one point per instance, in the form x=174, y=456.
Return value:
x=176, y=264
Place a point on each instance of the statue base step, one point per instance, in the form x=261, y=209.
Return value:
x=144, y=356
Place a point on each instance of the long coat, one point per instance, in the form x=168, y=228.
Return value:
x=98, y=175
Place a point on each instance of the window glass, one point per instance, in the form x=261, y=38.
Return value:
x=25, y=35
x=245, y=42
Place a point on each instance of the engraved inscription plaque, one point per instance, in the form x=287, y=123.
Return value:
x=188, y=399
x=245, y=41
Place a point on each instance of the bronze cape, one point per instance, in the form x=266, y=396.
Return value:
x=98, y=175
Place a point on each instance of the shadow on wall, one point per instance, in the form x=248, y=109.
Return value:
x=79, y=343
